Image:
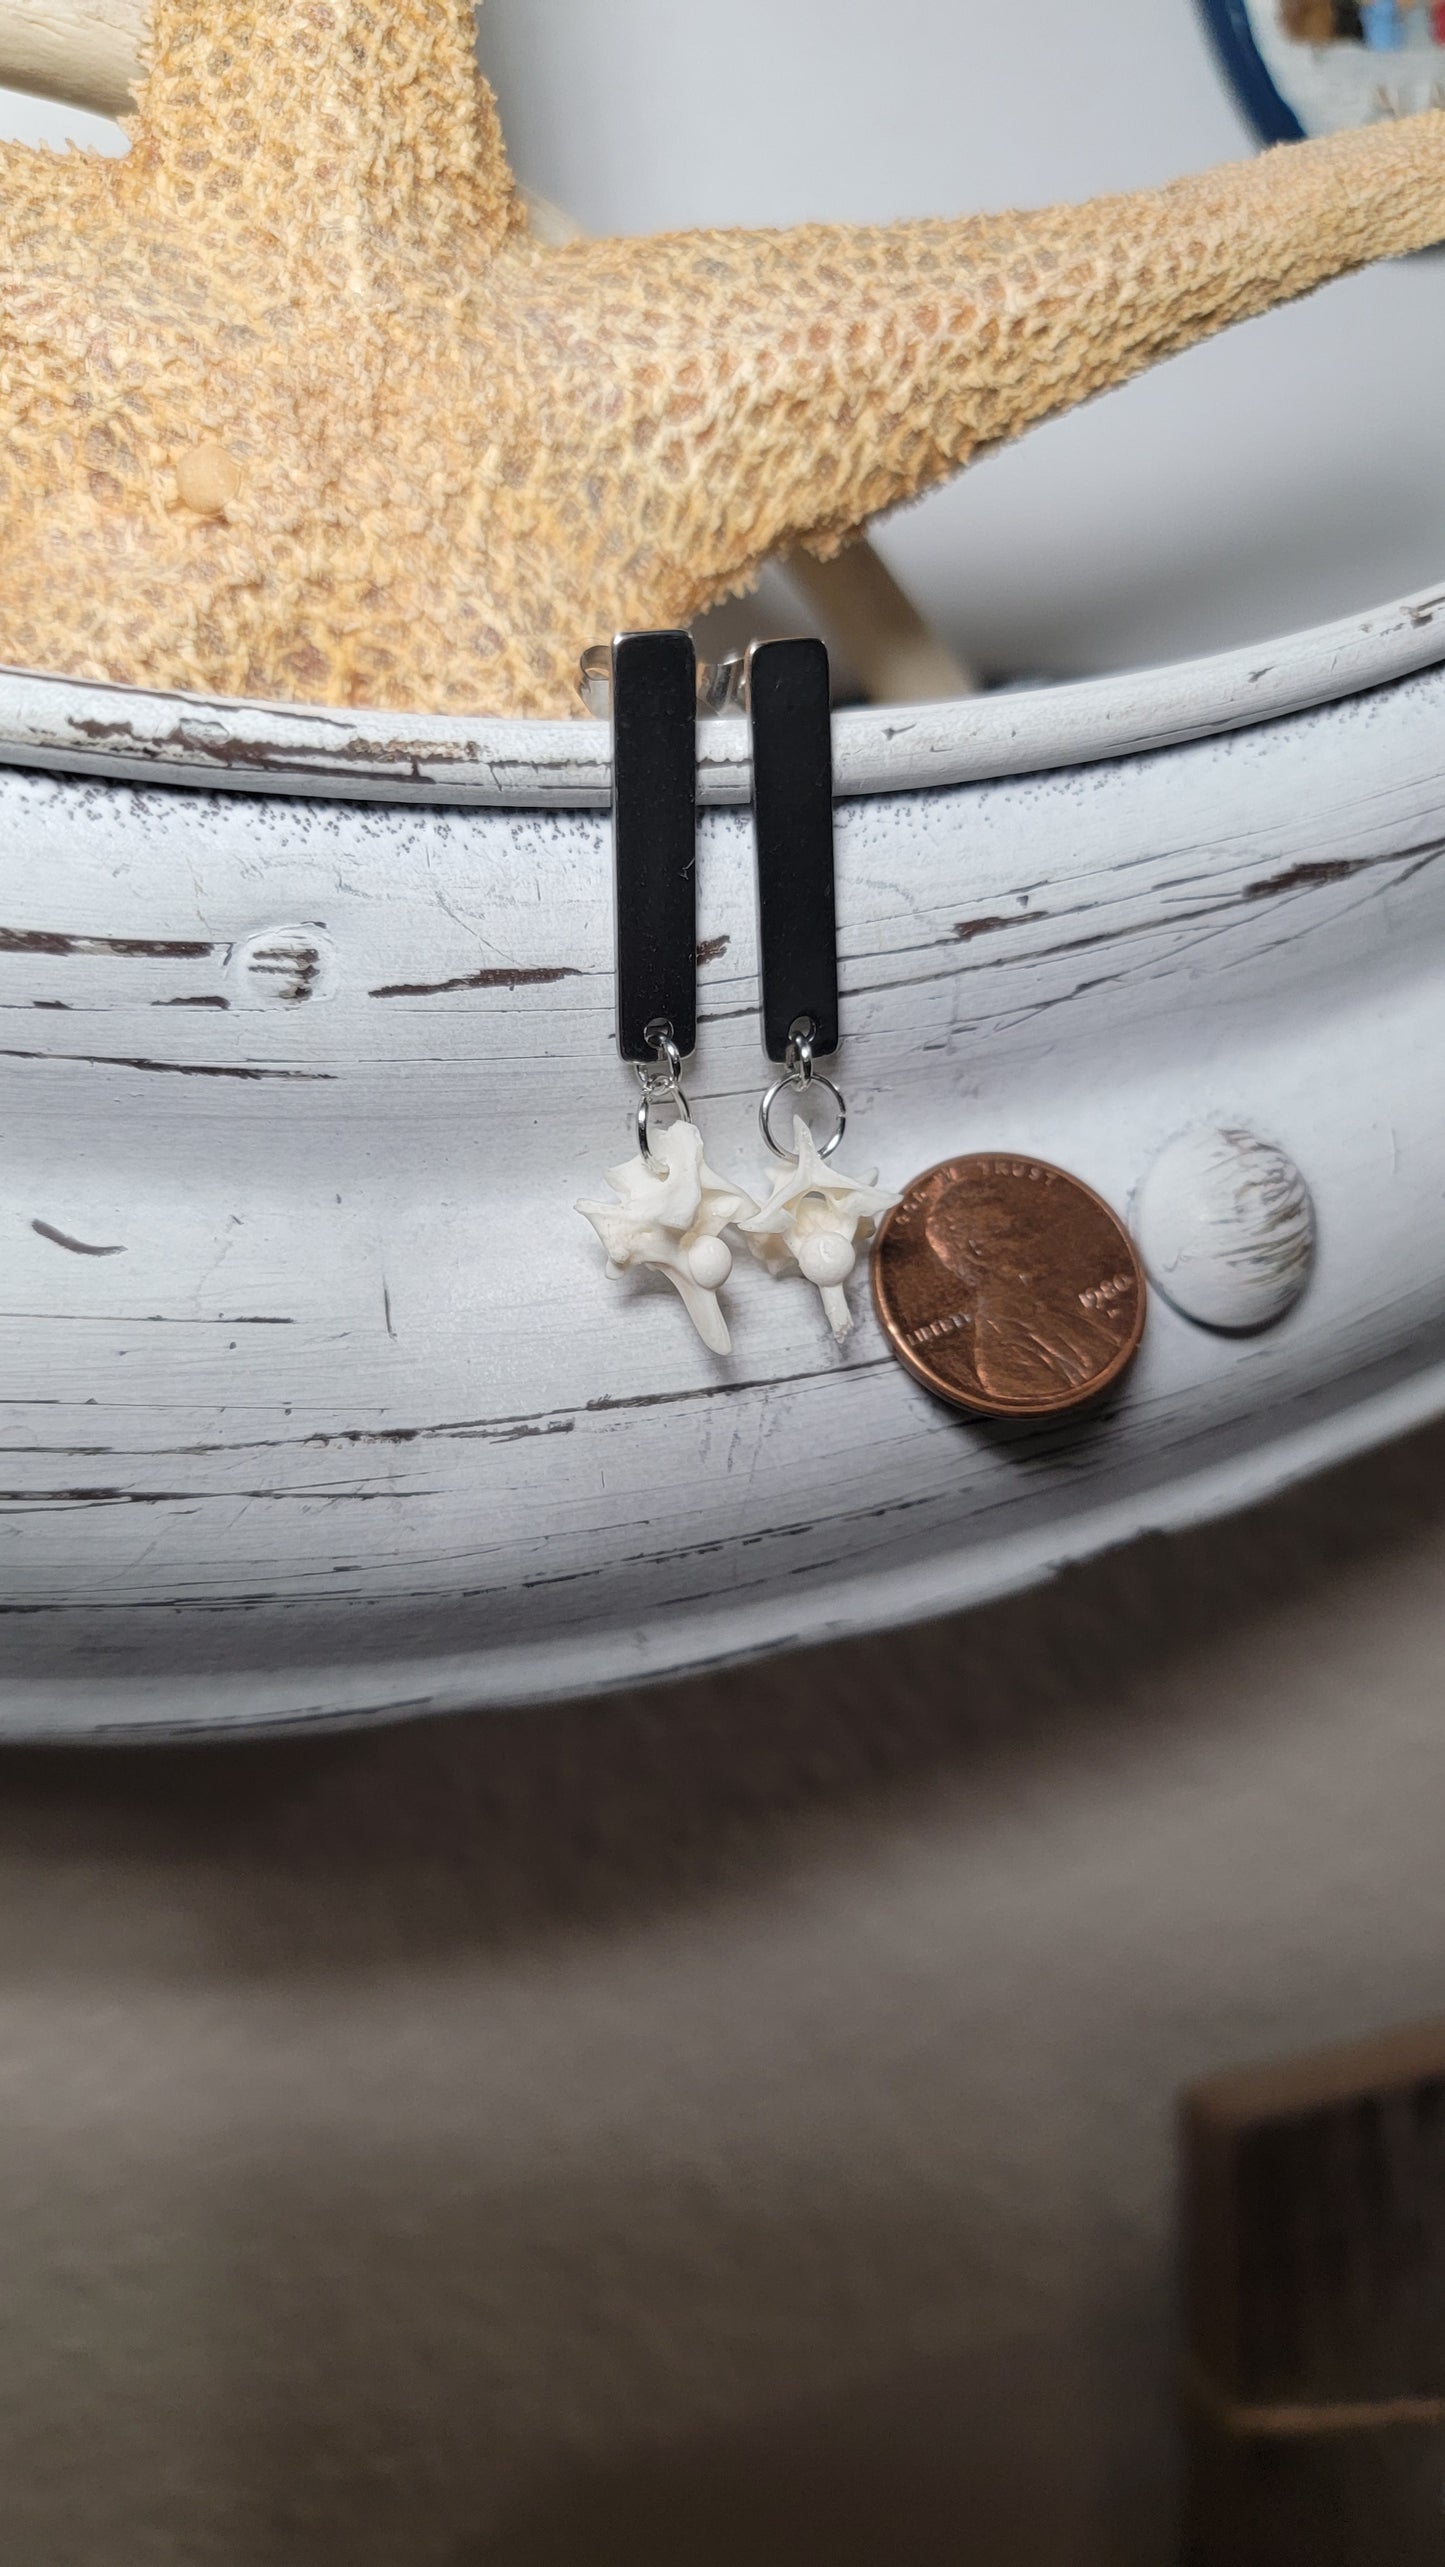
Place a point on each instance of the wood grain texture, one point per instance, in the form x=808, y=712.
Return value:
x=347, y=1422
x=1315, y=2255
x=142, y=734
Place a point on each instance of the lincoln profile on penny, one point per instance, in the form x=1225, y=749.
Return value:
x=293, y=404
x=1008, y=1286
x=1026, y=1317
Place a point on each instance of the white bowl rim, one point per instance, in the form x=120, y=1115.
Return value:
x=143, y=735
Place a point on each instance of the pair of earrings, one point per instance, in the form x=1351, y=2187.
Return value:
x=673, y=1210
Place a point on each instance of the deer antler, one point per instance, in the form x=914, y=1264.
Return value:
x=292, y=404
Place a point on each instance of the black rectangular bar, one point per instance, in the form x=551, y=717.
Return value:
x=789, y=704
x=654, y=838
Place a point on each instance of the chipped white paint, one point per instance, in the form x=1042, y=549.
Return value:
x=357, y=756
x=1226, y=1227
x=318, y=1403
x=284, y=967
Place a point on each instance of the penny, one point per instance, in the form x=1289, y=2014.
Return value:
x=1008, y=1287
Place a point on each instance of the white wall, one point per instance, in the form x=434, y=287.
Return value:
x=732, y=2125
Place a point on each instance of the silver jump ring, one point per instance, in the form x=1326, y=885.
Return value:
x=670, y=1095
x=788, y=1085
x=661, y=1084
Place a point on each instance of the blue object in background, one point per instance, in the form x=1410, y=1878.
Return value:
x=1272, y=117
x=1363, y=28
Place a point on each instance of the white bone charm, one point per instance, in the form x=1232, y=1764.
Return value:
x=814, y=1223
x=674, y=1221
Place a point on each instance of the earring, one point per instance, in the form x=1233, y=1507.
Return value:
x=815, y=1222
x=672, y=1208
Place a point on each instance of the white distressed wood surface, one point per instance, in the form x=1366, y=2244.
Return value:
x=318, y=1403
x=81, y=728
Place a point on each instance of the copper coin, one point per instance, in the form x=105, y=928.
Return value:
x=1008, y=1287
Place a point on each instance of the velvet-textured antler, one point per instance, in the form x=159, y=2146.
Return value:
x=290, y=404
x=352, y=133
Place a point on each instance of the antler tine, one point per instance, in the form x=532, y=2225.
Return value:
x=377, y=113
x=864, y=366
x=290, y=405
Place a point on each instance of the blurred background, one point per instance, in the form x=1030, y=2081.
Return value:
x=733, y=2124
